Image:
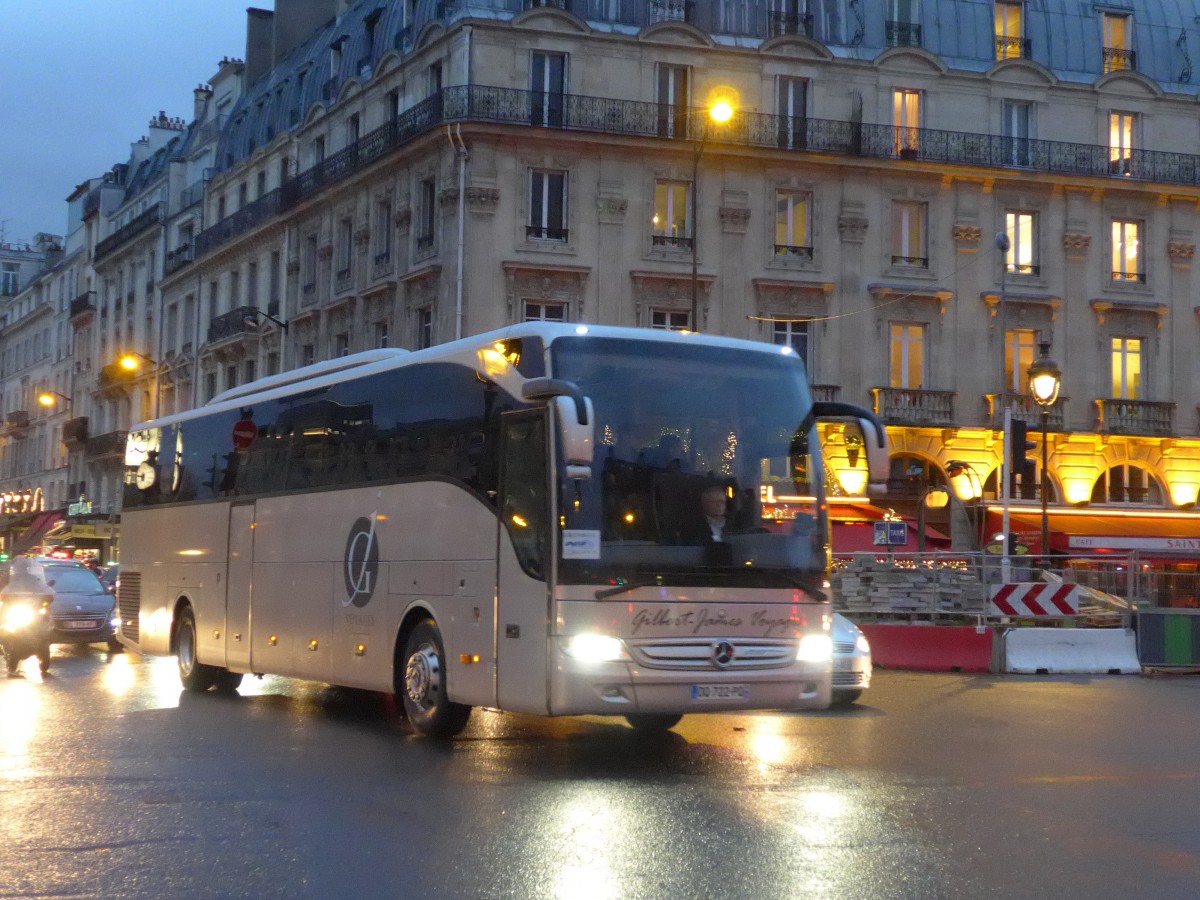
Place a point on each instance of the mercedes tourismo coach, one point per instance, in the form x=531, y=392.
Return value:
x=515, y=520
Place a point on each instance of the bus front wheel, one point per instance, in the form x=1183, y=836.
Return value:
x=424, y=686
x=196, y=676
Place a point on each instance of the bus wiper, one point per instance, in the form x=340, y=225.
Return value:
x=604, y=593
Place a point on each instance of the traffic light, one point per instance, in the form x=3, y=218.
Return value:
x=1018, y=445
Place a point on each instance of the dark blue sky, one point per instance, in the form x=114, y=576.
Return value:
x=80, y=80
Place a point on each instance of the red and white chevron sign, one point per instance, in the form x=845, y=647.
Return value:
x=1038, y=599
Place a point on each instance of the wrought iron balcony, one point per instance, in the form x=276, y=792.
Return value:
x=791, y=252
x=1142, y=417
x=83, y=305
x=827, y=392
x=129, y=230
x=1129, y=277
x=902, y=34
x=914, y=406
x=16, y=422
x=1117, y=59
x=114, y=375
x=1023, y=269
x=544, y=4
x=106, y=446
x=671, y=242
x=1025, y=408
x=1013, y=48
x=671, y=10
x=236, y=322
x=633, y=118
x=781, y=23
x=75, y=432
x=545, y=233
x=178, y=258
x=915, y=262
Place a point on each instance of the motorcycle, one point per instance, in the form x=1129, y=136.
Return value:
x=25, y=624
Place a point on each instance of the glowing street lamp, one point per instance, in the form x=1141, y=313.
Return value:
x=720, y=111
x=51, y=398
x=1045, y=379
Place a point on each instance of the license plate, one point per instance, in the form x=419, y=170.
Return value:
x=81, y=623
x=720, y=692
x=843, y=665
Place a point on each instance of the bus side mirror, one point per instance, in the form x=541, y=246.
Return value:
x=575, y=417
x=577, y=440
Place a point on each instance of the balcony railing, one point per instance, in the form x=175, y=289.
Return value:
x=243, y=320
x=178, y=258
x=129, y=230
x=106, y=446
x=902, y=34
x=1117, y=59
x=74, y=433
x=634, y=118
x=1025, y=408
x=1129, y=277
x=913, y=262
x=828, y=392
x=1013, y=48
x=1142, y=417
x=787, y=251
x=914, y=406
x=671, y=10
x=1023, y=269
x=671, y=242
x=781, y=23
x=15, y=419
x=545, y=233
x=83, y=304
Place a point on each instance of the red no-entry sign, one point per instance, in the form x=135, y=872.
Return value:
x=243, y=434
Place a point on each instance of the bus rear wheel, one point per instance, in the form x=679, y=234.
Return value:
x=423, y=689
x=196, y=676
x=650, y=722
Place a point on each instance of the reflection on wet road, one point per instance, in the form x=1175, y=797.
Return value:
x=113, y=783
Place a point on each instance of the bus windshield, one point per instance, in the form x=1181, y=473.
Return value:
x=689, y=440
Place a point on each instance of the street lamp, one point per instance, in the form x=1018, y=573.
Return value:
x=132, y=361
x=965, y=483
x=51, y=398
x=719, y=111
x=1045, y=378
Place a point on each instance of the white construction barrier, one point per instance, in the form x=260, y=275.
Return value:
x=1070, y=651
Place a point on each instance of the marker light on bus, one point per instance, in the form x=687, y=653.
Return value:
x=815, y=648
x=581, y=329
x=595, y=648
x=519, y=521
x=786, y=350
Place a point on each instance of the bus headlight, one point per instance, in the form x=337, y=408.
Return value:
x=595, y=648
x=815, y=648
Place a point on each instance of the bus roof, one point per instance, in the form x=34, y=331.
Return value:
x=464, y=351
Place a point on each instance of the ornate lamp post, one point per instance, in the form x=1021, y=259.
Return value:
x=965, y=483
x=720, y=112
x=1045, y=378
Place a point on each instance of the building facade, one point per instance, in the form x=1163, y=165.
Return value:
x=915, y=195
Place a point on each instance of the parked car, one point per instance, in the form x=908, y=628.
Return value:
x=82, y=611
x=851, y=661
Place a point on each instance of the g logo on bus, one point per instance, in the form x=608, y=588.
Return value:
x=361, y=562
x=722, y=654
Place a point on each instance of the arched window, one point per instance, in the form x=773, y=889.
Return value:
x=1127, y=484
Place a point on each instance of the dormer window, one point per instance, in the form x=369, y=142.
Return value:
x=1118, y=42
x=1010, y=40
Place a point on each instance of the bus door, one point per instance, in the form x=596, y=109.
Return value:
x=523, y=597
x=237, y=586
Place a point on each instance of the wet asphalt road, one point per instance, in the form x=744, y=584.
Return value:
x=114, y=785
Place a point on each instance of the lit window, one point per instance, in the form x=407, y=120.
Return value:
x=1127, y=368
x=1126, y=251
x=907, y=355
x=1021, y=228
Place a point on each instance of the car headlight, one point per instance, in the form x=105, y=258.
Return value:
x=18, y=616
x=815, y=648
x=595, y=648
x=863, y=645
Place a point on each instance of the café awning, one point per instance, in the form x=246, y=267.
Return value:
x=32, y=536
x=1104, y=531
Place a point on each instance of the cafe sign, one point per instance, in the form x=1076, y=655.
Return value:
x=80, y=507
x=29, y=500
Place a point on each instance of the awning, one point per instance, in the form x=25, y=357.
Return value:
x=1094, y=531
x=32, y=536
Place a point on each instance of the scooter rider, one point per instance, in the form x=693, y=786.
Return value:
x=24, y=615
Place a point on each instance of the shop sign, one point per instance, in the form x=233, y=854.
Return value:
x=25, y=501
x=1174, y=544
x=80, y=507
x=99, y=532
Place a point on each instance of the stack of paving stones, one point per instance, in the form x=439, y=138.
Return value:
x=868, y=586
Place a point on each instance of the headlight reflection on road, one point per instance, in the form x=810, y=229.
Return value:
x=163, y=684
x=118, y=675
x=20, y=708
x=588, y=834
x=768, y=747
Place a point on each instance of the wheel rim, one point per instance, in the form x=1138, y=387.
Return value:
x=423, y=676
x=187, y=649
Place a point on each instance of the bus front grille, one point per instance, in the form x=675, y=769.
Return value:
x=129, y=605
x=747, y=653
